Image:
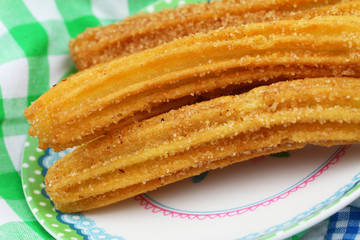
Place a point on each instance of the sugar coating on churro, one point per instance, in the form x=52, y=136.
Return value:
x=207, y=135
x=145, y=31
x=95, y=101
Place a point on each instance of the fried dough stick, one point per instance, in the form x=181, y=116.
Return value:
x=144, y=31
x=91, y=102
x=208, y=135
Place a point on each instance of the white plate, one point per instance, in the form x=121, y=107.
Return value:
x=268, y=197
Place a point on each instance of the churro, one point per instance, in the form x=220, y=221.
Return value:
x=208, y=135
x=144, y=31
x=89, y=103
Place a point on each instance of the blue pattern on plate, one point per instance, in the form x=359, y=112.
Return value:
x=304, y=215
x=87, y=227
x=83, y=225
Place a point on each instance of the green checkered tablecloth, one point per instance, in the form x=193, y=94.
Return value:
x=34, y=35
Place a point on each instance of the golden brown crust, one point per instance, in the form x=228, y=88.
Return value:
x=207, y=135
x=91, y=102
x=145, y=31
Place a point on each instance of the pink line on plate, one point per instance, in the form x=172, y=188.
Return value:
x=201, y=216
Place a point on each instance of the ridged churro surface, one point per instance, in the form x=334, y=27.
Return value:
x=207, y=135
x=105, y=97
x=144, y=31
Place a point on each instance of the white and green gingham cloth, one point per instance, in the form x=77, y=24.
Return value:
x=34, y=36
